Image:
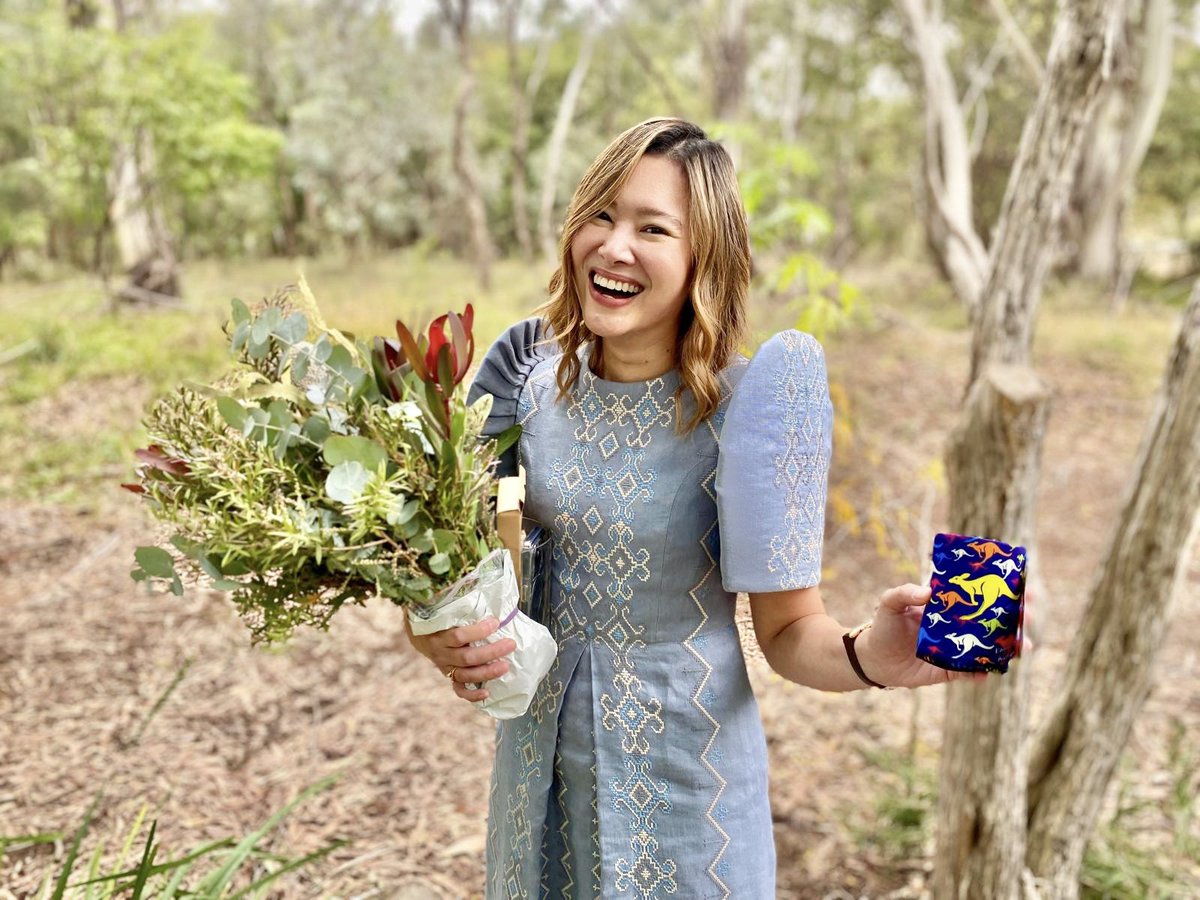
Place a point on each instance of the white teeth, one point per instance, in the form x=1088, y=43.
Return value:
x=623, y=286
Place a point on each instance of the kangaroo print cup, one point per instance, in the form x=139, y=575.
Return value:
x=972, y=623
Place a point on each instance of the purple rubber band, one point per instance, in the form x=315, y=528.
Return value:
x=512, y=615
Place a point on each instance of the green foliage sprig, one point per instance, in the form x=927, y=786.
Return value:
x=322, y=470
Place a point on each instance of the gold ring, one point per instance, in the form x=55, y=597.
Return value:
x=450, y=674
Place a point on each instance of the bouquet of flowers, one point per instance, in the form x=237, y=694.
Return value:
x=324, y=471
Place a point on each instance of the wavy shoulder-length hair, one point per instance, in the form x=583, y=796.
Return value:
x=714, y=315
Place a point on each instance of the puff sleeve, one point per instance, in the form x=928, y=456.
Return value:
x=503, y=373
x=773, y=468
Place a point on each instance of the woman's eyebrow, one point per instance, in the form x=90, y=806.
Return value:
x=652, y=212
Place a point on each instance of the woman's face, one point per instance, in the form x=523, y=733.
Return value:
x=633, y=260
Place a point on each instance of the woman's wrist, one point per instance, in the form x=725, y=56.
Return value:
x=857, y=642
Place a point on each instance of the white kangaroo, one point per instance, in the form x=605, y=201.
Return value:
x=939, y=618
x=960, y=553
x=966, y=643
x=1007, y=566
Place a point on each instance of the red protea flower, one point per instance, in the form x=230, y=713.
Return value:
x=442, y=360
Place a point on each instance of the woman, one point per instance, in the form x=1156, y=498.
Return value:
x=640, y=768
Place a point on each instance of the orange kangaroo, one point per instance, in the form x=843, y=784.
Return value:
x=950, y=598
x=987, y=549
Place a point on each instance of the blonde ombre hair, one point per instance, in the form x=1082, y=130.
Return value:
x=714, y=313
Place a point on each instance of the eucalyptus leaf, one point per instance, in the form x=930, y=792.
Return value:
x=239, y=336
x=352, y=448
x=402, y=511
x=444, y=540
x=256, y=421
x=294, y=328
x=239, y=311
x=155, y=562
x=316, y=429
x=300, y=364
x=346, y=481
x=210, y=568
x=439, y=564
x=232, y=412
x=188, y=547
x=265, y=325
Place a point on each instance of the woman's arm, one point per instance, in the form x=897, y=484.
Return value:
x=804, y=644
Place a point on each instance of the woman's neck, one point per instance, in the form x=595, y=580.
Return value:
x=632, y=364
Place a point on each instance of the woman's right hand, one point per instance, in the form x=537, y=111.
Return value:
x=452, y=653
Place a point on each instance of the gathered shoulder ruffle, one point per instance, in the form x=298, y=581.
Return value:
x=503, y=373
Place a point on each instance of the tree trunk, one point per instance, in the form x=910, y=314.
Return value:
x=993, y=459
x=792, y=108
x=1120, y=137
x=1041, y=179
x=458, y=16
x=949, y=223
x=1109, y=670
x=992, y=465
x=524, y=90
x=729, y=62
x=558, y=139
x=144, y=245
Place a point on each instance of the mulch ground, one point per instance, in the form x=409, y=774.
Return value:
x=84, y=654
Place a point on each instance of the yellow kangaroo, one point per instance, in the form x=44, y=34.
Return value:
x=990, y=587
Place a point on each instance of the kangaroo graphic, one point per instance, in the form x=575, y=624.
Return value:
x=1007, y=566
x=987, y=549
x=990, y=587
x=960, y=553
x=939, y=619
x=939, y=571
x=950, y=598
x=966, y=643
x=991, y=625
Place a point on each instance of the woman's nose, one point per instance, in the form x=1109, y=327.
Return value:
x=618, y=246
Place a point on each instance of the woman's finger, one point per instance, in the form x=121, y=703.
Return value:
x=900, y=599
x=466, y=657
x=467, y=634
x=480, y=674
x=471, y=694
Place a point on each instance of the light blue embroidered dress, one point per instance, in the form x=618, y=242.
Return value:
x=640, y=770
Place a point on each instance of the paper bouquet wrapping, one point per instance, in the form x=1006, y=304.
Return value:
x=491, y=590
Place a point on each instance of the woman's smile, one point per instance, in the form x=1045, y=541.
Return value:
x=612, y=290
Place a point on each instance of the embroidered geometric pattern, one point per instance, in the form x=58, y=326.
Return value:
x=800, y=468
x=633, y=716
x=648, y=876
x=640, y=795
x=707, y=754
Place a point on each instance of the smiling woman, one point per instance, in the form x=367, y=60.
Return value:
x=671, y=474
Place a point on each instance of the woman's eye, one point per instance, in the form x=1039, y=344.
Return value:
x=654, y=229
x=603, y=216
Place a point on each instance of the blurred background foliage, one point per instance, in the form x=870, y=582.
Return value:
x=313, y=126
x=408, y=155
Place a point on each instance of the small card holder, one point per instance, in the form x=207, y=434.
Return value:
x=972, y=623
x=536, y=549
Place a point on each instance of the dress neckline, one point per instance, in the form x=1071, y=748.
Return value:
x=667, y=382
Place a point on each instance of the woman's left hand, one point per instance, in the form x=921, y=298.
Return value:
x=887, y=649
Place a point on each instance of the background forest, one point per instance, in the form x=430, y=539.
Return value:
x=159, y=157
